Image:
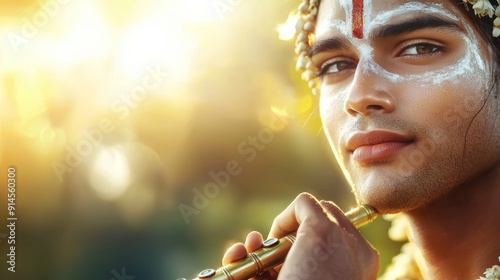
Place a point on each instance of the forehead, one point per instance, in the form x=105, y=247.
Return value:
x=339, y=15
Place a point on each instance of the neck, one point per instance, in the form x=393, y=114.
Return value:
x=458, y=234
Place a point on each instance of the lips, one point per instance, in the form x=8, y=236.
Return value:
x=376, y=145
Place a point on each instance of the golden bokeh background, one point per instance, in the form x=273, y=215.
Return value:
x=147, y=136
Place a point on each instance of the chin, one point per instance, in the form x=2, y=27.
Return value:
x=387, y=202
x=391, y=196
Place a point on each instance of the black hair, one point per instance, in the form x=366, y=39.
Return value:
x=485, y=27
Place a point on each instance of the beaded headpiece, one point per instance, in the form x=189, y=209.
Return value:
x=308, y=11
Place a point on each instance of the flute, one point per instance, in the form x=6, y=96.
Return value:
x=273, y=252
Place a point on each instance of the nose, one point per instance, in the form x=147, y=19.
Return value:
x=369, y=93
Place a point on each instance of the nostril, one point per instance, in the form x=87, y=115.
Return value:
x=374, y=107
x=368, y=102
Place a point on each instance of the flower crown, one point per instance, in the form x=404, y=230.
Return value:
x=306, y=20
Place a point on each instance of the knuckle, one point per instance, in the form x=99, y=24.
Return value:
x=330, y=206
x=254, y=232
x=305, y=197
x=306, y=200
x=276, y=221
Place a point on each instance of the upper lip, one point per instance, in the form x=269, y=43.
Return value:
x=374, y=137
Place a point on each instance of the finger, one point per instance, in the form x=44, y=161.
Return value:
x=339, y=215
x=235, y=252
x=305, y=210
x=342, y=219
x=270, y=274
x=239, y=250
x=345, y=223
x=254, y=241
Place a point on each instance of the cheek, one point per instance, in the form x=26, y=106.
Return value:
x=445, y=110
x=333, y=117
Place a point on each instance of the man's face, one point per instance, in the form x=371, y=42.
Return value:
x=405, y=98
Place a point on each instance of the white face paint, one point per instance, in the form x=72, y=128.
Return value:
x=345, y=26
x=470, y=63
x=381, y=83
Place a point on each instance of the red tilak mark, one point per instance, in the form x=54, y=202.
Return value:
x=357, y=18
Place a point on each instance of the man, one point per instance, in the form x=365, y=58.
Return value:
x=409, y=102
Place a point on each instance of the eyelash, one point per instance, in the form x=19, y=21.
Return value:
x=325, y=67
x=334, y=62
x=434, y=49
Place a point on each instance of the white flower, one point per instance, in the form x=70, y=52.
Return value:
x=483, y=8
x=492, y=273
x=400, y=227
x=496, y=32
x=496, y=22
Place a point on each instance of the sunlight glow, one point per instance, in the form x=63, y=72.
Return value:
x=110, y=174
x=280, y=112
x=87, y=36
x=286, y=30
x=155, y=42
x=197, y=11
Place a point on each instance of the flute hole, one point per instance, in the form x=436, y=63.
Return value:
x=206, y=273
x=271, y=242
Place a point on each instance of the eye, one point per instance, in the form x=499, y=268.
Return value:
x=420, y=49
x=335, y=67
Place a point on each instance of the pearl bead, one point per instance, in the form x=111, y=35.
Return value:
x=307, y=75
x=309, y=64
x=301, y=47
x=303, y=8
x=309, y=17
x=496, y=22
x=301, y=62
x=309, y=26
x=302, y=37
x=496, y=32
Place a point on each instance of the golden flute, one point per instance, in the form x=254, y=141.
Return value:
x=273, y=252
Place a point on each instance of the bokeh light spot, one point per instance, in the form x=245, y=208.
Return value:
x=110, y=174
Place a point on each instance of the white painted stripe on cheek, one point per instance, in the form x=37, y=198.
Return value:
x=452, y=72
x=466, y=66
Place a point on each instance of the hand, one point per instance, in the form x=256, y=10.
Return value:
x=239, y=251
x=327, y=246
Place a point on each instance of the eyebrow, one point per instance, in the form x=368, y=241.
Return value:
x=391, y=30
x=332, y=43
x=414, y=24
